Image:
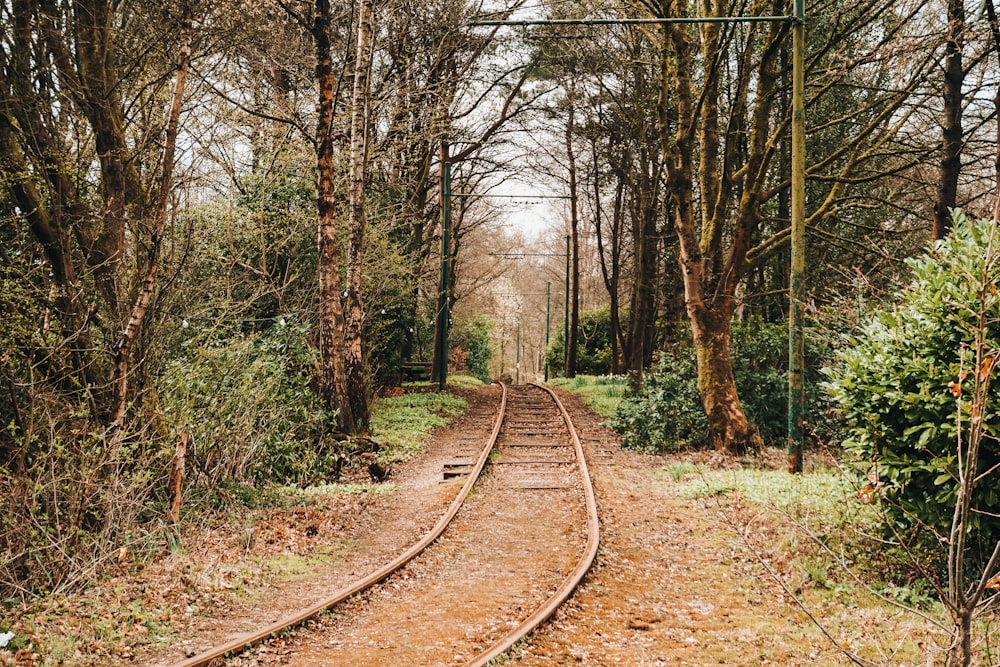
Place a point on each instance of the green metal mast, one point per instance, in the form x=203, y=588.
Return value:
x=796, y=335
x=443, y=314
x=517, y=361
x=548, y=316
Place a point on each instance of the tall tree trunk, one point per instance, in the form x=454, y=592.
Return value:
x=710, y=313
x=574, y=226
x=610, y=274
x=951, y=124
x=333, y=372
x=642, y=307
x=358, y=396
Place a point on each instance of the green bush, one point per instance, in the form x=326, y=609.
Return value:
x=245, y=399
x=473, y=337
x=666, y=414
x=593, y=347
x=891, y=384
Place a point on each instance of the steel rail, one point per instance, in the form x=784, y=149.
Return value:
x=574, y=578
x=245, y=641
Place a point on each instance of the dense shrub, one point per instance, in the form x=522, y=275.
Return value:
x=891, y=383
x=473, y=338
x=246, y=402
x=666, y=413
x=593, y=348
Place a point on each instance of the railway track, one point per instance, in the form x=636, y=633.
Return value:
x=516, y=541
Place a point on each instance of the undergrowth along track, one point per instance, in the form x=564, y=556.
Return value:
x=535, y=453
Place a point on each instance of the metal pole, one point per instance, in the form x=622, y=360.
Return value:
x=566, y=317
x=548, y=315
x=445, y=258
x=796, y=335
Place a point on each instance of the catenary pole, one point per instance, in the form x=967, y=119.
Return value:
x=796, y=334
x=548, y=316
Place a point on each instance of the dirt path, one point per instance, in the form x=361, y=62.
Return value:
x=515, y=539
x=361, y=540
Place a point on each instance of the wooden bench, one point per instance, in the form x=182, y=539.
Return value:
x=417, y=371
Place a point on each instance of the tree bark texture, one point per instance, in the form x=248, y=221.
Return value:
x=714, y=245
x=333, y=370
x=574, y=227
x=358, y=394
x=951, y=122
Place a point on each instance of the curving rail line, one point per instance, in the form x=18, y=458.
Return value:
x=574, y=578
x=539, y=616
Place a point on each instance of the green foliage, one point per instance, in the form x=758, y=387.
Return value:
x=601, y=393
x=474, y=338
x=401, y=423
x=891, y=384
x=760, y=365
x=246, y=401
x=666, y=414
x=391, y=301
x=593, y=349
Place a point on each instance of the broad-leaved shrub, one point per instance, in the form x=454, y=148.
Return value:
x=891, y=383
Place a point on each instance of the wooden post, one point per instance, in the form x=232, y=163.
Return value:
x=174, y=482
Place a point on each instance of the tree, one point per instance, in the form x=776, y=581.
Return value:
x=332, y=326
x=89, y=123
x=719, y=130
x=358, y=395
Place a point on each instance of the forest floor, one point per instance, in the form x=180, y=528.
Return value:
x=682, y=577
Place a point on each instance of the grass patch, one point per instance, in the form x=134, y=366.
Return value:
x=464, y=381
x=809, y=528
x=602, y=393
x=401, y=423
x=382, y=489
x=457, y=380
x=818, y=494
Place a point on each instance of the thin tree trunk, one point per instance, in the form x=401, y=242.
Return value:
x=358, y=396
x=609, y=275
x=333, y=373
x=574, y=225
x=133, y=328
x=951, y=124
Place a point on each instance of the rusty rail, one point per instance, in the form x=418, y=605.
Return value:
x=574, y=578
x=240, y=643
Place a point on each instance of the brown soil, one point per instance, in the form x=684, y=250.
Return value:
x=673, y=583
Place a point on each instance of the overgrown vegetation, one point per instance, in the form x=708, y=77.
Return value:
x=602, y=393
x=666, y=413
x=473, y=343
x=400, y=423
x=593, y=352
x=246, y=402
